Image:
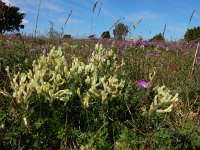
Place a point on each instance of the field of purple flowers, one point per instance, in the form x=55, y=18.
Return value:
x=120, y=94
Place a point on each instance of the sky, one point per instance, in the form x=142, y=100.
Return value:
x=149, y=16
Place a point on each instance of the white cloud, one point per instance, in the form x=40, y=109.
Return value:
x=7, y=2
x=24, y=22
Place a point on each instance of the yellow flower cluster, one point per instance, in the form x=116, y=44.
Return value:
x=53, y=77
x=46, y=78
x=105, y=87
x=163, y=100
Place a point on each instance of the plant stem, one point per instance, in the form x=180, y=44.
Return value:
x=192, y=70
x=37, y=17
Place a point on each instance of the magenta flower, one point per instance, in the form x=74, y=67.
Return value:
x=197, y=58
x=144, y=84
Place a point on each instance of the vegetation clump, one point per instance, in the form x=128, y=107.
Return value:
x=192, y=34
x=158, y=38
x=105, y=35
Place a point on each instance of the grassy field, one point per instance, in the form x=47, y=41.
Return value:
x=98, y=94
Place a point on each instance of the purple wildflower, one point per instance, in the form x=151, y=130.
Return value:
x=186, y=53
x=138, y=43
x=144, y=84
x=127, y=43
x=197, y=58
x=180, y=48
x=124, y=44
x=153, y=54
x=121, y=44
x=44, y=52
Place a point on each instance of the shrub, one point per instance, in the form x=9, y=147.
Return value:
x=192, y=34
x=91, y=36
x=105, y=35
x=158, y=38
x=67, y=36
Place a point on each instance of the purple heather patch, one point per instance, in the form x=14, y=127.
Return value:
x=138, y=43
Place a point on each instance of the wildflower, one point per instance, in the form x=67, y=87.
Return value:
x=144, y=84
x=197, y=58
x=127, y=43
x=44, y=52
x=163, y=101
x=138, y=43
x=180, y=48
x=154, y=54
x=186, y=53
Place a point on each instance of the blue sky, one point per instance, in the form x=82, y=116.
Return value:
x=154, y=14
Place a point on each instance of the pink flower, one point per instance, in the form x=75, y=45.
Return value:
x=144, y=84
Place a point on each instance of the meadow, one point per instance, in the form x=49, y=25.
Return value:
x=98, y=94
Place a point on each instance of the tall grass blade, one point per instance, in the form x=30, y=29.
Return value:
x=63, y=28
x=94, y=7
x=36, y=25
x=194, y=61
x=165, y=27
x=139, y=21
x=134, y=24
x=117, y=22
x=98, y=16
x=192, y=16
